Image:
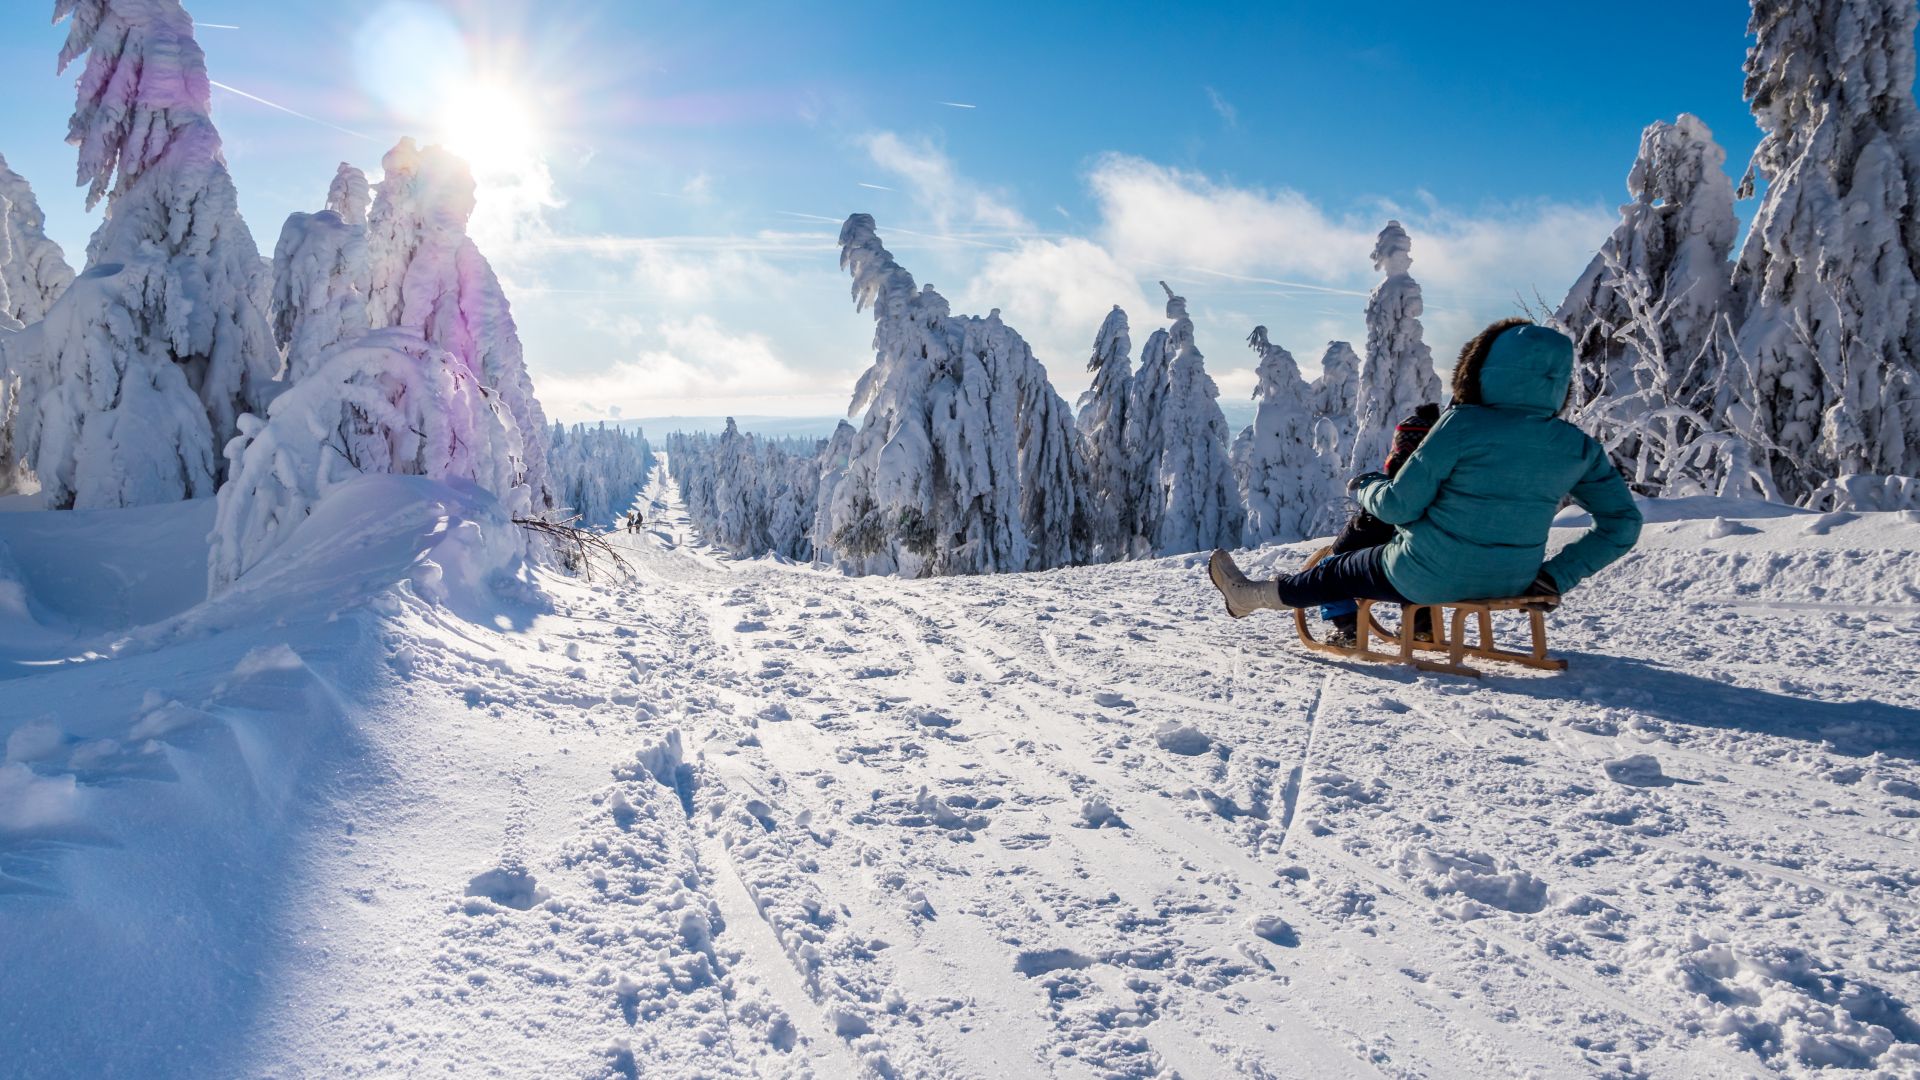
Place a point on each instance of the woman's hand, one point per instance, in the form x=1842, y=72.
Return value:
x=1363, y=480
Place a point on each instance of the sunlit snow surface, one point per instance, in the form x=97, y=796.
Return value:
x=395, y=806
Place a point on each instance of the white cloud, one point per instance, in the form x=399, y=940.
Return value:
x=693, y=366
x=1224, y=107
x=937, y=187
x=1056, y=292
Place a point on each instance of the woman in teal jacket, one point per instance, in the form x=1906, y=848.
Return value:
x=1472, y=507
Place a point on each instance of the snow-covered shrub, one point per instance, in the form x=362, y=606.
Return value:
x=1650, y=370
x=963, y=462
x=1826, y=292
x=1102, y=424
x=1285, y=483
x=429, y=276
x=1398, y=374
x=597, y=471
x=1858, y=493
x=387, y=402
x=174, y=301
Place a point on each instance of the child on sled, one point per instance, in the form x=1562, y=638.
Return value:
x=1471, y=503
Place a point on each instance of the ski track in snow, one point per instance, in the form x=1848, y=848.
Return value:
x=747, y=818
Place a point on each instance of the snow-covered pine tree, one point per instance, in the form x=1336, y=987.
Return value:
x=1826, y=293
x=1285, y=484
x=1398, y=374
x=1144, y=438
x=349, y=195
x=1644, y=316
x=597, y=471
x=829, y=466
x=321, y=274
x=1102, y=425
x=385, y=402
x=958, y=435
x=739, y=520
x=1335, y=407
x=33, y=269
x=173, y=277
x=1201, y=507
x=428, y=275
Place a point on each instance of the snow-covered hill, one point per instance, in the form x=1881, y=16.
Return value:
x=399, y=805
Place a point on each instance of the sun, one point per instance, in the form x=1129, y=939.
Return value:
x=492, y=126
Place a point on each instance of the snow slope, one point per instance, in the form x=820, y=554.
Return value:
x=389, y=809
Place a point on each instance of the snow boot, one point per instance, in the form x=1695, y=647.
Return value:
x=1243, y=595
x=1343, y=636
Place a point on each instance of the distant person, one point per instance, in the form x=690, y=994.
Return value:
x=1471, y=508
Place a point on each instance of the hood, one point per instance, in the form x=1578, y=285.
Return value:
x=1528, y=369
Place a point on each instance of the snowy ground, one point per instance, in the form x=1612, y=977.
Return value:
x=384, y=811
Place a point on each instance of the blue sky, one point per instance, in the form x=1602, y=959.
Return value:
x=661, y=183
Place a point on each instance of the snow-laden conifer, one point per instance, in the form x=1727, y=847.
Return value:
x=385, y=402
x=1102, y=425
x=597, y=471
x=1144, y=438
x=1335, y=404
x=348, y=195
x=1398, y=374
x=1650, y=378
x=33, y=269
x=1200, y=507
x=1285, y=483
x=1826, y=292
x=321, y=275
x=962, y=463
x=174, y=276
x=429, y=276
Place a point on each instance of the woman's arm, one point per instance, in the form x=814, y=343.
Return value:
x=1407, y=496
x=1616, y=523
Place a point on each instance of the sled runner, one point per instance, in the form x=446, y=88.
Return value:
x=1449, y=634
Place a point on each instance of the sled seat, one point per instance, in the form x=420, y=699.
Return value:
x=1449, y=634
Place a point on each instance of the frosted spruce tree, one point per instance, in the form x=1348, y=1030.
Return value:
x=428, y=275
x=598, y=471
x=33, y=269
x=146, y=371
x=1646, y=316
x=958, y=434
x=385, y=402
x=829, y=466
x=348, y=195
x=1285, y=483
x=739, y=517
x=1826, y=292
x=1335, y=404
x=1144, y=438
x=321, y=275
x=1102, y=424
x=1398, y=373
x=1201, y=508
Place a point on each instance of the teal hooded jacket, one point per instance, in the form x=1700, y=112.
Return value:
x=1473, y=505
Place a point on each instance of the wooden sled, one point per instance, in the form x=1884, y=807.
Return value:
x=1449, y=634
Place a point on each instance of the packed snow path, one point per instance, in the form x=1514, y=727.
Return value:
x=749, y=818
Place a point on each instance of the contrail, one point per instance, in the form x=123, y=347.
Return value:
x=956, y=105
x=217, y=25
x=875, y=187
x=291, y=112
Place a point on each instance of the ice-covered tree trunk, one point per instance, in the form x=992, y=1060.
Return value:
x=386, y=402
x=1826, y=293
x=1643, y=316
x=428, y=275
x=33, y=269
x=955, y=434
x=175, y=271
x=321, y=274
x=1102, y=426
x=1336, y=404
x=1285, y=483
x=1398, y=374
x=348, y=194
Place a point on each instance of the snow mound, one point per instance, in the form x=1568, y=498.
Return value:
x=1472, y=883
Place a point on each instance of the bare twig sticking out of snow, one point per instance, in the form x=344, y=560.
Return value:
x=578, y=548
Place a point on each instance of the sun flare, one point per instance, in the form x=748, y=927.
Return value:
x=492, y=126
